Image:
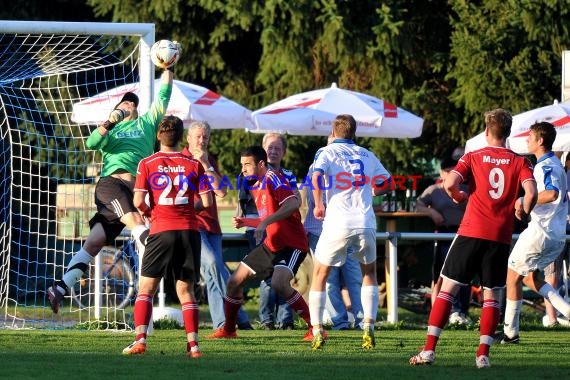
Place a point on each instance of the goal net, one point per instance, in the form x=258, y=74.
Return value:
x=47, y=175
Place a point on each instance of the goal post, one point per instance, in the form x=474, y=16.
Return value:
x=47, y=175
x=565, y=76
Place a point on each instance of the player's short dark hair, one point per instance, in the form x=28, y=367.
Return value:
x=447, y=163
x=344, y=126
x=257, y=152
x=171, y=130
x=546, y=131
x=498, y=122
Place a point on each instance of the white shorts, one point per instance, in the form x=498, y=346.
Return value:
x=332, y=245
x=534, y=251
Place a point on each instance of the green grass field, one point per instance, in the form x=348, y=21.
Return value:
x=272, y=355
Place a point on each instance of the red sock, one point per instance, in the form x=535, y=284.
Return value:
x=190, y=316
x=143, y=312
x=438, y=318
x=490, y=314
x=231, y=309
x=298, y=304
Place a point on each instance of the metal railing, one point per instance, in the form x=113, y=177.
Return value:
x=391, y=260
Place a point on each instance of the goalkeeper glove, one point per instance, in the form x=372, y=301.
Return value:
x=116, y=116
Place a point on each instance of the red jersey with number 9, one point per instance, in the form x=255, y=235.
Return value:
x=495, y=176
x=171, y=180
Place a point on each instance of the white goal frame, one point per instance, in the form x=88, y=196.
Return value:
x=146, y=33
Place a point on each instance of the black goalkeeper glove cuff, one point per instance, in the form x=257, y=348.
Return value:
x=108, y=125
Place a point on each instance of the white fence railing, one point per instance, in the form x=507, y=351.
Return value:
x=391, y=260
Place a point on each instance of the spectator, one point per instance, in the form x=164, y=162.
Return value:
x=274, y=312
x=212, y=267
x=446, y=216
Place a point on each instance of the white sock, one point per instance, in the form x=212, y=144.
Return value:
x=140, y=233
x=512, y=314
x=76, y=267
x=317, y=307
x=369, y=299
x=548, y=292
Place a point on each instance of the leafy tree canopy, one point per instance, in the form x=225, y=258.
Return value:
x=446, y=61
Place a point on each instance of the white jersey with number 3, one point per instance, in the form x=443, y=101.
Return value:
x=348, y=172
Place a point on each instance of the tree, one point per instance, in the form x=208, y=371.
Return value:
x=447, y=61
x=506, y=54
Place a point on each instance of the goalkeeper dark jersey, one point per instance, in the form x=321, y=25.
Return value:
x=130, y=141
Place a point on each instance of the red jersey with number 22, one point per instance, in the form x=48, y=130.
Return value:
x=269, y=194
x=171, y=180
x=495, y=176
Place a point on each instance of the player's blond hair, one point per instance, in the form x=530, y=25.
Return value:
x=498, y=122
x=344, y=126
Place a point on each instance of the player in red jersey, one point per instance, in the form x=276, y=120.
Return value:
x=481, y=246
x=170, y=179
x=284, y=247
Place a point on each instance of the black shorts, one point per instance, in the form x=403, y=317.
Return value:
x=262, y=261
x=470, y=257
x=113, y=198
x=177, y=251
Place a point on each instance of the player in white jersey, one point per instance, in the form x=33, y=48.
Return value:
x=544, y=238
x=351, y=176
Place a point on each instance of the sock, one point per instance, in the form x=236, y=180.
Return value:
x=548, y=292
x=192, y=346
x=77, y=266
x=490, y=314
x=512, y=315
x=140, y=233
x=190, y=314
x=438, y=317
x=142, y=313
x=298, y=304
x=231, y=309
x=317, y=307
x=369, y=299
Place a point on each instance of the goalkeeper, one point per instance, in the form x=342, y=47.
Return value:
x=124, y=140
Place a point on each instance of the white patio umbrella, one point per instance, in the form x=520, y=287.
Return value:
x=313, y=112
x=188, y=101
x=557, y=113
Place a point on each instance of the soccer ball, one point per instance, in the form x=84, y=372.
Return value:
x=165, y=53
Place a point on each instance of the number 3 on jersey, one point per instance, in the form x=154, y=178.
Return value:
x=164, y=199
x=497, y=182
x=358, y=172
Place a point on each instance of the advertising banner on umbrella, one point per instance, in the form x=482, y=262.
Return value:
x=313, y=112
x=558, y=114
x=188, y=101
